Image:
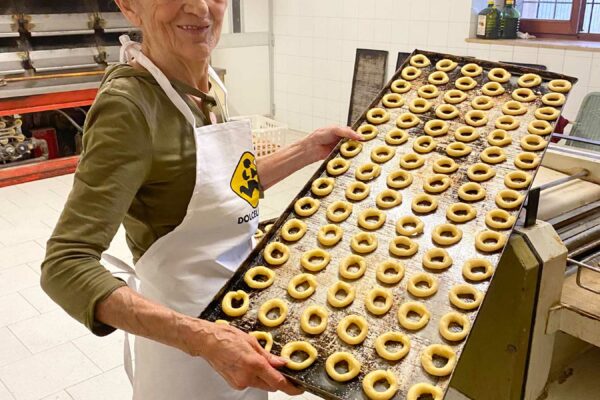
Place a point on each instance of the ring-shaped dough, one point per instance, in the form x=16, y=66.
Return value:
x=455, y=96
x=480, y=172
x=445, y=165
x=400, y=86
x=471, y=70
x=299, y=346
x=539, y=127
x=465, y=83
x=465, y=289
x=357, y=191
x=446, y=65
x=293, y=230
x=458, y=149
x=367, y=172
x=330, y=235
x=399, y=179
x=322, y=186
x=473, y=265
x=268, y=306
x=338, y=287
x=402, y=246
x=439, y=350
x=428, y=92
x=499, y=75
x=547, y=113
x=420, y=61
x=438, y=78
x=390, y=265
x=554, y=99
x=454, y=318
x=388, y=198
x=514, y=108
x=436, y=183
x=476, y=118
x=493, y=155
x=410, y=73
x=417, y=291
x=250, y=277
x=424, y=203
x=533, y=143
x=560, y=85
x=446, y=234
x=529, y=80
x=418, y=390
x=409, y=225
x=411, y=161
x=499, y=137
x=524, y=95
x=482, y=103
x=397, y=337
x=230, y=297
x=419, y=106
x=396, y=137
x=337, y=166
x=300, y=280
x=471, y=191
x=446, y=111
x=259, y=234
x=460, y=213
x=499, y=219
x=489, y=241
x=371, y=379
x=507, y=123
x=527, y=161
x=375, y=294
x=437, y=259
x=413, y=307
x=368, y=131
x=424, y=144
x=436, y=127
x=364, y=243
x=509, y=199
x=263, y=337
x=517, y=180
x=306, y=206
x=309, y=312
x=315, y=260
x=378, y=116
x=371, y=219
x=276, y=253
x=351, y=148
x=339, y=357
x=346, y=323
x=382, y=154
x=353, y=267
x=392, y=100
x=493, y=89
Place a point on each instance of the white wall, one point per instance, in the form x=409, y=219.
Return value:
x=316, y=40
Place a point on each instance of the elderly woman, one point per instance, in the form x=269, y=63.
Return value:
x=160, y=157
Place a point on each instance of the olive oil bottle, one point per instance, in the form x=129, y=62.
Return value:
x=488, y=22
x=509, y=21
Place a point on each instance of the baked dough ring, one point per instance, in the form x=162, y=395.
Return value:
x=476, y=118
x=419, y=106
x=371, y=379
x=533, y=143
x=471, y=70
x=446, y=65
x=411, y=161
x=364, y=243
x=458, y=149
x=424, y=144
x=396, y=137
x=480, y=172
x=299, y=346
x=499, y=219
x=357, y=191
x=465, y=289
x=382, y=154
x=455, y=96
x=418, y=390
x=498, y=241
x=509, y=199
x=421, y=277
x=399, y=179
x=499, y=137
x=420, y=61
x=436, y=183
x=322, y=186
x=474, y=264
x=338, y=287
x=337, y=166
x=460, y=213
x=446, y=234
x=347, y=322
x=315, y=260
x=392, y=100
x=353, y=260
x=413, y=307
x=351, y=362
x=493, y=155
x=439, y=350
x=527, y=161
x=390, y=265
x=365, y=219
x=293, y=230
x=381, y=349
x=560, y=85
x=254, y=272
x=268, y=306
x=367, y=172
x=529, y=80
x=402, y=246
x=445, y=165
x=373, y=295
x=436, y=127
x=514, y=108
x=457, y=319
x=410, y=73
x=539, y=127
x=388, y=198
x=507, y=122
x=471, y=191
x=499, y=75
x=524, y=95
x=482, y=103
x=517, y=180
x=324, y=237
x=430, y=259
x=400, y=86
x=310, y=311
x=446, y=111
x=378, y=116
x=409, y=225
x=493, y=89
x=306, y=206
x=298, y=281
x=351, y=148
x=554, y=99
x=547, y=113
x=368, y=131
x=465, y=83
x=259, y=234
x=438, y=78
x=265, y=337
x=428, y=92
x=276, y=253
x=227, y=303
x=424, y=203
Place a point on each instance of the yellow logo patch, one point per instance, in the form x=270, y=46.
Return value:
x=244, y=181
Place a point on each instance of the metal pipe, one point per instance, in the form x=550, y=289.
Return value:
x=566, y=179
x=5, y=81
x=71, y=120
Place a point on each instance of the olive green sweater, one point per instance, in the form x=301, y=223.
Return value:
x=138, y=168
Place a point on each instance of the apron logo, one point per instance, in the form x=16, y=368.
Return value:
x=244, y=181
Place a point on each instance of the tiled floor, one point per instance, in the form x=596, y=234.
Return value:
x=46, y=355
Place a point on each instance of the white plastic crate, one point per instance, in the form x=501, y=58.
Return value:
x=267, y=134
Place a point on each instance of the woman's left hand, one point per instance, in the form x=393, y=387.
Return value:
x=322, y=141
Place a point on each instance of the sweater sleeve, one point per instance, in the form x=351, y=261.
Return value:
x=116, y=159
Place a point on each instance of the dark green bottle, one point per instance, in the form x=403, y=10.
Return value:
x=510, y=21
x=488, y=22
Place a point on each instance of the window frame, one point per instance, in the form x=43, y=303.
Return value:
x=569, y=29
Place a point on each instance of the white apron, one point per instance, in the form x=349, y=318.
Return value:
x=184, y=269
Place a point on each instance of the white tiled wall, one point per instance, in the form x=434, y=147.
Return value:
x=316, y=41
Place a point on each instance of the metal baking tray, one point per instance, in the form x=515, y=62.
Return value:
x=408, y=371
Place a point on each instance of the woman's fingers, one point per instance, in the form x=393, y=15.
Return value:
x=346, y=132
